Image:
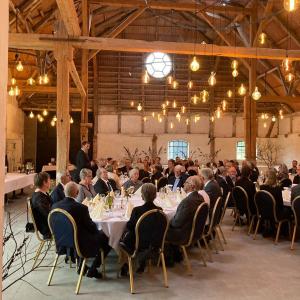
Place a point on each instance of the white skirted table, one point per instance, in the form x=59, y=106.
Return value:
x=17, y=181
x=49, y=168
x=286, y=196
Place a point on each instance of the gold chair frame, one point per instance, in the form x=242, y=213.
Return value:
x=70, y=218
x=160, y=179
x=39, y=237
x=161, y=250
x=222, y=217
x=278, y=223
x=296, y=222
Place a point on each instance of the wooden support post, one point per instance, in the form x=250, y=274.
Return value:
x=95, y=107
x=212, y=144
x=63, y=55
x=3, y=99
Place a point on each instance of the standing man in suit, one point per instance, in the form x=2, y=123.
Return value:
x=178, y=180
x=83, y=160
x=58, y=193
x=103, y=184
x=181, y=224
x=211, y=187
x=90, y=239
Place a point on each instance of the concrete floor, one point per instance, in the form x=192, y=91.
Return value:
x=247, y=269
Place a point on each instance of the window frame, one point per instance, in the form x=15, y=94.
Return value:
x=178, y=144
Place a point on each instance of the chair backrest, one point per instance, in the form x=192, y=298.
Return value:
x=198, y=224
x=64, y=230
x=215, y=217
x=296, y=210
x=146, y=180
x=30, y=212
x=240, y=198
x=225, y=206
x=265, y=205
x=162, y=182
x=151, y=229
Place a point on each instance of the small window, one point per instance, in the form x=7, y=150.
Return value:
x=240, y=150
x=178, y=148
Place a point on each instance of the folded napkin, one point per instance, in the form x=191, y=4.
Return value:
x=98, y=211
x=138, y=192
x=86, y=201
x=96, y=199
x=183, y=193
x=286, y=195
x=129, y=209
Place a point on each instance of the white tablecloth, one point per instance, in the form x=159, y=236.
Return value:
x=48, y=168
x=16, y=181
x=113, y=223
x=286, y=196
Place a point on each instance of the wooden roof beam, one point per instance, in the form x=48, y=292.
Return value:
x=76, y=78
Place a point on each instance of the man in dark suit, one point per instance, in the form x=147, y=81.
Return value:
x=126, y=168
x=295, y=192
x=181, y=224
x=293, y=169
x=222, y=181
x=211, y=187
x=58, y=193
x=82, y=160
x=103, y=184
x=90, y=239
x=178, y=180
x=297, y=177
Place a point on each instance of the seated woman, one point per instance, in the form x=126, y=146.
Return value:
x=145, y=171
x=86, y=189
x=133, y=181
x=148, y=192
x=283, y=176
x=41, y=203
x=157, y=173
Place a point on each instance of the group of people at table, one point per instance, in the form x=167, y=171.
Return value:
x=200, y=185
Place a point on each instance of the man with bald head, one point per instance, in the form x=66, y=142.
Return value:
x=179, y=178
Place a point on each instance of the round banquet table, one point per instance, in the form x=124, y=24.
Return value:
x=113, y=223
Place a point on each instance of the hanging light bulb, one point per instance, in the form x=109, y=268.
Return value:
x=266, y=116
x=235, y=73
x=132, y=103
x=256, y=95
x=242, y=90
x=229, y=93
x=170, y=79
x=290, y=5
x=163, y=106
x=281, y=117
x=145, y=119
x=265, y=125
x=286, y=64
x=146, y=77
x=187, y=121
x=40, y=79
x=171, y=125
x=262, y=116
x=194, y=65
x=160, y=119
x=218, y=112
x=234, y=64
x=31, y=115
x=195, y=99
x=45, y=113
x=224, y=105
x=52, y=123
x=196, y=118
x=262, y=38
x=190, y=84
x=19, y=66
x=153, y=114
x=183, y=109
x=273, y=119
x=139, y=107
x=11, y=91
x=167, y=102
x=204, y=95
x=289, y=77
x=178, y=117
x=30, y=81
x=13, y=81
x=54, y=119
x=41, y=119
x=164, y=111
x=71, y=120
x=212, y=79
x=46, y=79
x=212, y=119
x=17, y=91
x=280, y=111
x=174, y=105
x=175, y=84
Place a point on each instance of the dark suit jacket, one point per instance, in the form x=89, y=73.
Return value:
x=277, y=194
x=156, y=176
x=143, y=174
x=82, y=161
x=101, y=187
x=254, y=174
x=223, y=184
x=249, y=187
x=124, y=170
x=171, y=180
x=285, y=183
x=296, y=179
x=295, y=192
x=181, y=224
x=214, y=192
x=41, y=205
x=58, y=193
x=88, y=234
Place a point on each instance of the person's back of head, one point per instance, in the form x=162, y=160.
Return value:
x=246, y=171
x=40, y=179
x=207, y=174
x=148, y=192
x=71, y=189
x=271, y=179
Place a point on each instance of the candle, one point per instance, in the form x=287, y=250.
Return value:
x=156, y=183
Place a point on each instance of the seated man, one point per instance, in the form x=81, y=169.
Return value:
x=133, y=181
x=90, y=239
x=41, y=203
x=297, y=177
x=58, y=192
x=103, y=184
x=178, y=180
x=293, y=169
x=181, y=224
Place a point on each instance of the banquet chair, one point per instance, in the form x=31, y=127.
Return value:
x=222, y=216
x=38, y=235
x=64, y=231
x=162, y=182
x=241, y=203
x=146, y=180
x=196, y=234
x=212, y=228
x=296, y=212
x=266, y=210
x=155, y=241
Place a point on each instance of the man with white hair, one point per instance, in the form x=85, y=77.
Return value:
x=58, y=192
x=134, y=180
x=104, y=185
x=90, y=239
x=179, y=178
